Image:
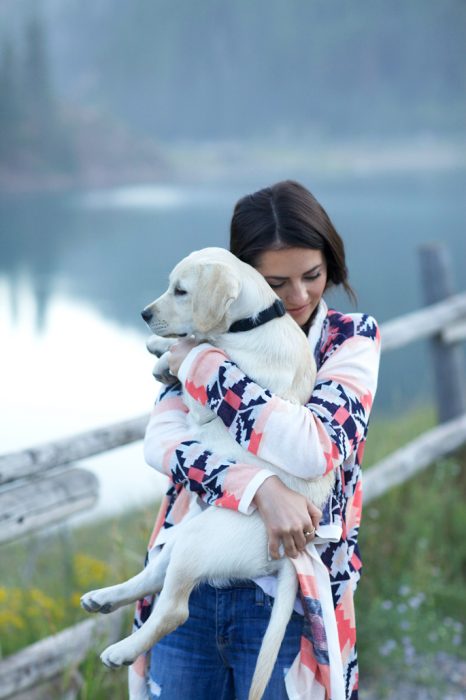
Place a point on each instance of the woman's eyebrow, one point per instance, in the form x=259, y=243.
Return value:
x=308, y=272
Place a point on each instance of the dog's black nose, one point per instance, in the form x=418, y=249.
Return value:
x=147, y=315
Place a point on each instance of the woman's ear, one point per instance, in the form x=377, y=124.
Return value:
x=216, y=288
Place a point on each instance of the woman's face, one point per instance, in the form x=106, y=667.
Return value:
x=298, y=276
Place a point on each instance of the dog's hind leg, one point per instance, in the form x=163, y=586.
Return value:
x=149, y=580
x=221, y=532
x=170, y=611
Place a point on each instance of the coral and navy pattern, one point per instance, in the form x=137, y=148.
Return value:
x=328, y=433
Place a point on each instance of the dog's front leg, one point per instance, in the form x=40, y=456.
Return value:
x=162, y=372
x=158, y=346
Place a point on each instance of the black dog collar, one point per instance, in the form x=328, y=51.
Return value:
x=247, y=324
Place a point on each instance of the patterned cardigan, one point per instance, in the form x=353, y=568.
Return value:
x=329, y=432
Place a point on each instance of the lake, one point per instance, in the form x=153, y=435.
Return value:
x=76, y=270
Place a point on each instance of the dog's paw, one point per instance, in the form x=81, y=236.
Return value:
x=158, y=345
x=97, y=601
x=162, y=372
x=119, y=654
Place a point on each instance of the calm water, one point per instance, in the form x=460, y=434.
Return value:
x=76, y=270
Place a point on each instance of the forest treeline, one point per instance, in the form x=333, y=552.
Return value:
x=210, y=69
x=33, y=134
x=254, y=68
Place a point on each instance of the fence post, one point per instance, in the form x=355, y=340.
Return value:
x=448, y=361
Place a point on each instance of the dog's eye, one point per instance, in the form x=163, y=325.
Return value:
x=179, y=292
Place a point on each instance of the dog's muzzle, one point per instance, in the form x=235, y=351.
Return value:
x=157, y=326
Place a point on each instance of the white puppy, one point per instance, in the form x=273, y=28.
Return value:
x=210, y=292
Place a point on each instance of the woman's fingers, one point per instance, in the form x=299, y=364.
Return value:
x=178, y=352
x=289, y=545
x=314, y=513
x=289, y=518
x=274, y=546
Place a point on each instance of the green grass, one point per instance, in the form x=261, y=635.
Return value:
x=408, y=602
x=45, y=577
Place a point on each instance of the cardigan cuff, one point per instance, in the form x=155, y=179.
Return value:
x=245, y=505
x=190, y=359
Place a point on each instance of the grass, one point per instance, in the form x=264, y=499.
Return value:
x=58, y=568
x=408, y=602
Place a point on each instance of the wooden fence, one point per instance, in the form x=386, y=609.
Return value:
x=41, y=486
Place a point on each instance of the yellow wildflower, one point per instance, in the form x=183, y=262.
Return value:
x=75, y=599
x=39, y=598
x=8, y=618
x=89, y=570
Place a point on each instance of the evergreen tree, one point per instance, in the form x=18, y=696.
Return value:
x=9, y=102
x=44, y=131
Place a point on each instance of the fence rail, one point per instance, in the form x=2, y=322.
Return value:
x=39, y=665
x=404, y=463
x=34, y=494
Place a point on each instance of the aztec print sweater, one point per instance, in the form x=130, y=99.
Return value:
x=329, y=432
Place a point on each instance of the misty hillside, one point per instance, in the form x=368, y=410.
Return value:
x=210, y=69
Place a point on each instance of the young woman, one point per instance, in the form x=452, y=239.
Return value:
x=285, y=234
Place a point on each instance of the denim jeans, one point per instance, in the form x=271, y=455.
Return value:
x=213, y=655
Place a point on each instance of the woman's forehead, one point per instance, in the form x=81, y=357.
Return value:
x=289, y=262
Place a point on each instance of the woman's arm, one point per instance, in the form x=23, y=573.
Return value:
x=307, y=441
x=171, y=447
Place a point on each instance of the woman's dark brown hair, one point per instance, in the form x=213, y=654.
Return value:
x=287, y=215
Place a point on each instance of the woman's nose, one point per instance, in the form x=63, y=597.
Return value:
x=298, y=294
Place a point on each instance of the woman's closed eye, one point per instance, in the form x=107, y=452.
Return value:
x=307, y=278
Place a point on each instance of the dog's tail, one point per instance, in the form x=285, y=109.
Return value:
x=287, y=586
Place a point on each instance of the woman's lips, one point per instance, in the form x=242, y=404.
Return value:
x=299, y=310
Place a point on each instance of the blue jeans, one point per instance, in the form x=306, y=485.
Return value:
x=213, y=655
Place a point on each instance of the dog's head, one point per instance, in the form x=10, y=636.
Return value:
x=201, y=291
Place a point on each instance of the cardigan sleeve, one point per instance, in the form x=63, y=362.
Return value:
x=170, y=446
x=306, y=441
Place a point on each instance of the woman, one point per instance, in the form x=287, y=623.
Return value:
x=285, y=234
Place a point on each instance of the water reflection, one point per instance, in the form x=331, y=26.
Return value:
x=114, y=259
x=75, y=272
x=80, y=372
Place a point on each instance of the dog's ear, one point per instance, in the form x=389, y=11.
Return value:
x=217, y=287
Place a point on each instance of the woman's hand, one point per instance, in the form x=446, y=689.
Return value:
x=178, y=352
x=287, y=516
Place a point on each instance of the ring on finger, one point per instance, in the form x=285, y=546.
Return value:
x=309, y=533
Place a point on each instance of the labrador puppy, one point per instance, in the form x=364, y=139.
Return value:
x=215, y=297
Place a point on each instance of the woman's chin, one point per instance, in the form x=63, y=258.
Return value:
x=301, y=317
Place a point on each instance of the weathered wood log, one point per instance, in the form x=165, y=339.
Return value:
x=48, y=658
x=454, y=334
x=42, y=501
x=37, y=459
x=448, y=360
x=422, y=324
x=412, y=458
x=64, y=687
